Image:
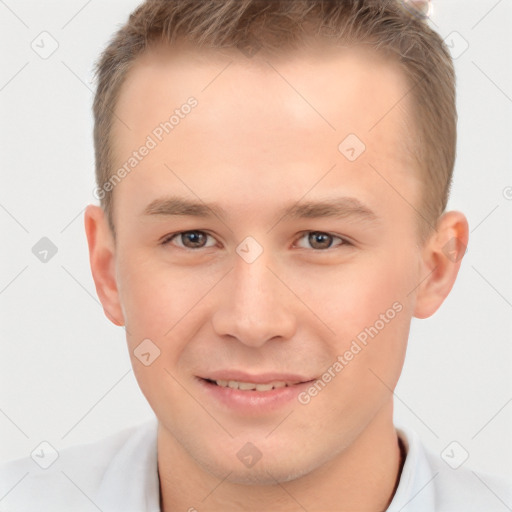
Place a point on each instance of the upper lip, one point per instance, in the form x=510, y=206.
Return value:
x=260, y=378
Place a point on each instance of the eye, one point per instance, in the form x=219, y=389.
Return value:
x=319, y=240
x=190, y=240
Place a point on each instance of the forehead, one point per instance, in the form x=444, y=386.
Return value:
x=322, y=82
x=265, y=120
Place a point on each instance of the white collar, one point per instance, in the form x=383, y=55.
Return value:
x=416, y=488
x=139, y=490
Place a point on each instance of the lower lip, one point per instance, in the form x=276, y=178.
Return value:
x=252, y=402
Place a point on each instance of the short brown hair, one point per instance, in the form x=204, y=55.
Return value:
x=276, y=26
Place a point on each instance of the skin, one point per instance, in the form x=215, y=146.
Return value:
x=253, y=145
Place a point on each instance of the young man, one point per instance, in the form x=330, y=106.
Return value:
x=273, y=177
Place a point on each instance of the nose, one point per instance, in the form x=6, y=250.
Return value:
x=255, y=306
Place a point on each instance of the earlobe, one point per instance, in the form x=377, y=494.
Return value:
x=442, y=257
x=102, y=261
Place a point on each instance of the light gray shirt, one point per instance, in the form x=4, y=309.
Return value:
x=119, y=474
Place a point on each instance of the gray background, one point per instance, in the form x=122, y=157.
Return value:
x=65, y=375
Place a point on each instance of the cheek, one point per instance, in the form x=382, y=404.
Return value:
x=372, y=322
x=147, y=298
x=349, y=297
x=368, y=306
x=163, y=302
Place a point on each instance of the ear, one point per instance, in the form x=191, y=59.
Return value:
x=441, y=259
x=102, y=261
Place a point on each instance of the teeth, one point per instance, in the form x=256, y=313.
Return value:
x=263, y=387
x=244, y=386
x=250, y=386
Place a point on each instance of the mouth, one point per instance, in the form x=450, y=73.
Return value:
x=251, y=386
x=252, y=395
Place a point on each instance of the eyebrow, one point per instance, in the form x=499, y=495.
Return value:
x=340, y=208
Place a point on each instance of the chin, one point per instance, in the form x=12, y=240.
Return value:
x=268, y=476
x=270, y=472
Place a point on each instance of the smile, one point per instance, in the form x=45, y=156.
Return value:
x=252, y=395
x=251, y=386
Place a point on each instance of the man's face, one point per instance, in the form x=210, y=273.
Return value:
x=251, y=293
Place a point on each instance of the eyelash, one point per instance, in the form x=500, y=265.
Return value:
x=344, y=242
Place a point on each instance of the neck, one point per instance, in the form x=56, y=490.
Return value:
x=363, y=477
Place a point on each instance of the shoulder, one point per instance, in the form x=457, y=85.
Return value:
x=64, y=480
x=447, y=482
x=467, y=489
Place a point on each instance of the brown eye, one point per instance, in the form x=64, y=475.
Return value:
x=191, y=240
x=319, y=240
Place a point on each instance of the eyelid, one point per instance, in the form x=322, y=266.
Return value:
x=167, y=239
x=344, y=240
